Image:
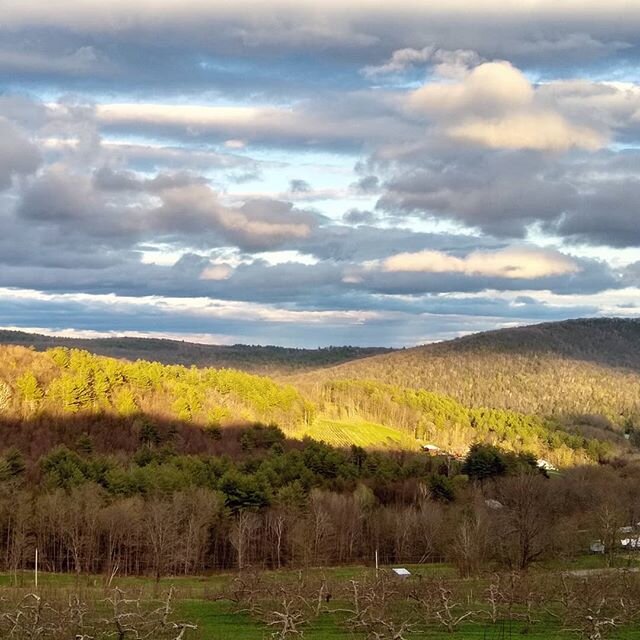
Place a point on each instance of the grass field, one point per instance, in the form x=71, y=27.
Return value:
x=344, y=433
x=220, y=620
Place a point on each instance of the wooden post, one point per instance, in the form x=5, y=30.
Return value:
x=376, y=563
x=36, y=568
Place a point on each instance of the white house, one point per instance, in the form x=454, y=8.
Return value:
x=545, y=465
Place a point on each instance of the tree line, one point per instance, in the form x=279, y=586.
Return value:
x=278, y=503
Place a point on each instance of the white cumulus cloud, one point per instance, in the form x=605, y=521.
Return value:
x=512, y=262
x=496, y=106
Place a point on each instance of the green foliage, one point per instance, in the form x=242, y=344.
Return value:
x=486, y=461
x=292, y=497
x=65, y=469
x=73, y=391
x=85, y=382
x=243, y=491
x=84, y=444
x=265, y=360
x=29, y=387
x=188, y=403
x=358, y=456
x=261, y=437
x=360, y=432
x=125, y=403
x=60, y=355
x=442, y=488
x=215, y=416
x=12, y=465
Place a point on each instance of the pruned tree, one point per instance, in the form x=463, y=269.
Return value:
x=375, y=610
x=449, y=611
x=595, y=607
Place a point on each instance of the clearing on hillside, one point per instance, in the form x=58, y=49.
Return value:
x=344, y=433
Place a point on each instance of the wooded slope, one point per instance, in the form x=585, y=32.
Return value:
x=571, y=369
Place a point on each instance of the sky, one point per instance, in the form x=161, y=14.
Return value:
x=308, y=174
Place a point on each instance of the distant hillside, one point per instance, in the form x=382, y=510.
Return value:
x=43, y=388
x=258, y=359
x=548, y=390
x=610, y=341
x=575, y=368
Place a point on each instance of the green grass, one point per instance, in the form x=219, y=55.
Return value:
x=592, y=561
x=217, y=621
x=344, y=433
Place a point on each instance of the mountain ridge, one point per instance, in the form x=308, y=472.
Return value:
x=576, y=368
x=255, y=358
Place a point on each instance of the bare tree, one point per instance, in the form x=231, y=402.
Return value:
x=469, y=546
x=523, y=526
x=276, y=526
x=160, y=520
x=118, y=522
x=18, y=531
x=81, y=525
x=243, y=530
x=196, y=511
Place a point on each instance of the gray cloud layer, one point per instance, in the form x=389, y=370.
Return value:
x=397, y=162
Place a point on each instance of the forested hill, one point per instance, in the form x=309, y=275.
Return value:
x=610, y=341
x=43, y=388
x=573, y=369
x=258, y=359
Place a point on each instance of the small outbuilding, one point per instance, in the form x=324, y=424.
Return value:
x=431, y=449
x=630, y=544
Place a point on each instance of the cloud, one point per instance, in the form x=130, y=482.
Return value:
x=358, y=216
x=433, y=318
x=446, y=63
x=347, y=120
x=502, y=193
x=216, y=272
x=83, y=61
x=18, y=155
x=489, y=87
x=606, y=214
x=511, y=262
x=540, y=131
x=495, y=106
x=107, y=179
x=584, y=198
x=453, y=171
x=294, y=49
x=443, y=276
x=122, y=209
x=256, y=225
